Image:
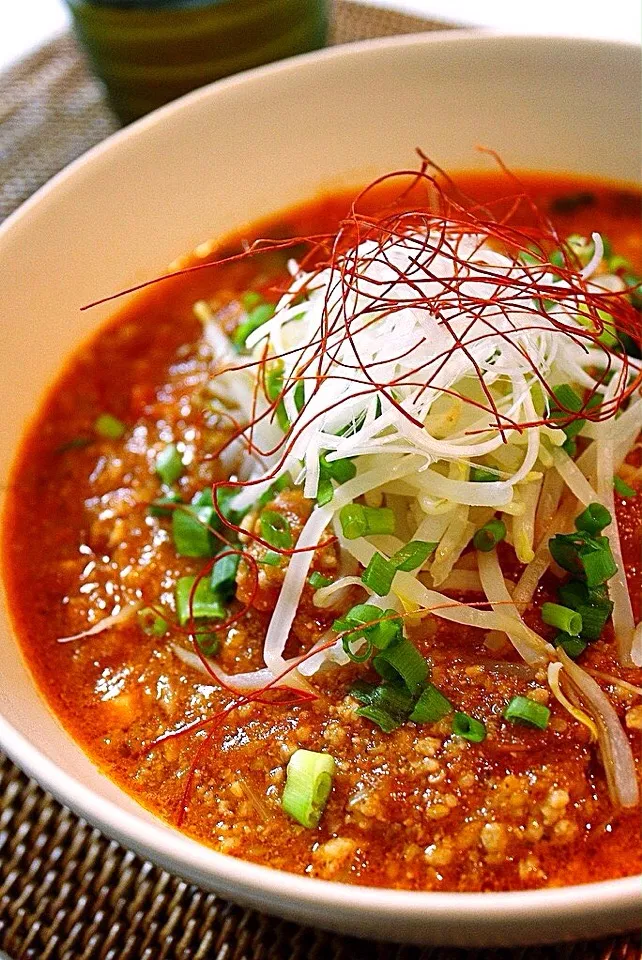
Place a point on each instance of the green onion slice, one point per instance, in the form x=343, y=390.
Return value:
x=208, y=643
x=307, y=786
x=431, y=706
x=271, y=559
x=108, y=426
x=360, y=521
x=572, y=646
x=482, y=475
x=575, y=594
x=251, y=299
x=273, y=390
x=353, y=521
x=191, y=530
x=360, y=621
x=623, y=488
x=318, y=580
x=525, y=710
x=275, y=529
x=592, y=603
x=412, y=556
x=223, y=575
x=152, y=623
x=379, y=520
x=563, y=618
x=583, y=555
x=567, y=401
x=402, y=661
x=339, y=470
x=388, y=705
x=205, y=603
x=379, y=575
x=468, y=727
x=169, y=464
x=488, y=536
x=593, y=519
x=257, y=316
x=594, y=619
x=325, y=491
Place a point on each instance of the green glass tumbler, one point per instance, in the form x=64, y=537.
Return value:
x=148, y=52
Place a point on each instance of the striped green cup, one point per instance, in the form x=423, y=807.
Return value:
x=148, y=52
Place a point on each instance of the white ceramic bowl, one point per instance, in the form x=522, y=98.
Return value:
x=229, y=154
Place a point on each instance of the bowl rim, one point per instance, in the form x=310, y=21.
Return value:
x=160, y=841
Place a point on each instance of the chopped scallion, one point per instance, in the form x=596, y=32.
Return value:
x=388, y=704
x=572, y=646
x=431, y=706
x=272, y=559
x=593, y=519
x=251, y=299
x=468, y=727
x=208, y=643
x=488, y=536
x=318, y=580
x=402, y=661
x=169, y=464
x=412, y=556
x=597, y=561
x=481, y=475
x=353, y=521
x=379, y=520
x=275, y=529
x=340, y=470
x=307, y=786
x=379, y=575
x=360, y=521
x=361, y=621
x=223, y=575
x=563, y=618
x=109, y=427
x=525, y=710
x=273, y=390
x=592, y=604
x=583, y=555
x=325, y=491
x=205, y=603
x=256, y=317
x=191, y=530
x=594, y=619
x=622, y=488
x=152, y=623
x=567, y=401
x=575, y=594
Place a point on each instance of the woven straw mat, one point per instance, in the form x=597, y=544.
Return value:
x=67, y=893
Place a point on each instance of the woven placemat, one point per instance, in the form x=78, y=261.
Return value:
x=67, y=893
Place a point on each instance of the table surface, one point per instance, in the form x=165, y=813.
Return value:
x=30, y=24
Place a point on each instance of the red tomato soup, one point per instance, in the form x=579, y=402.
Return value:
x=496, y=750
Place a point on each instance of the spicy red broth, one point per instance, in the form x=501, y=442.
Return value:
x=419, y=806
